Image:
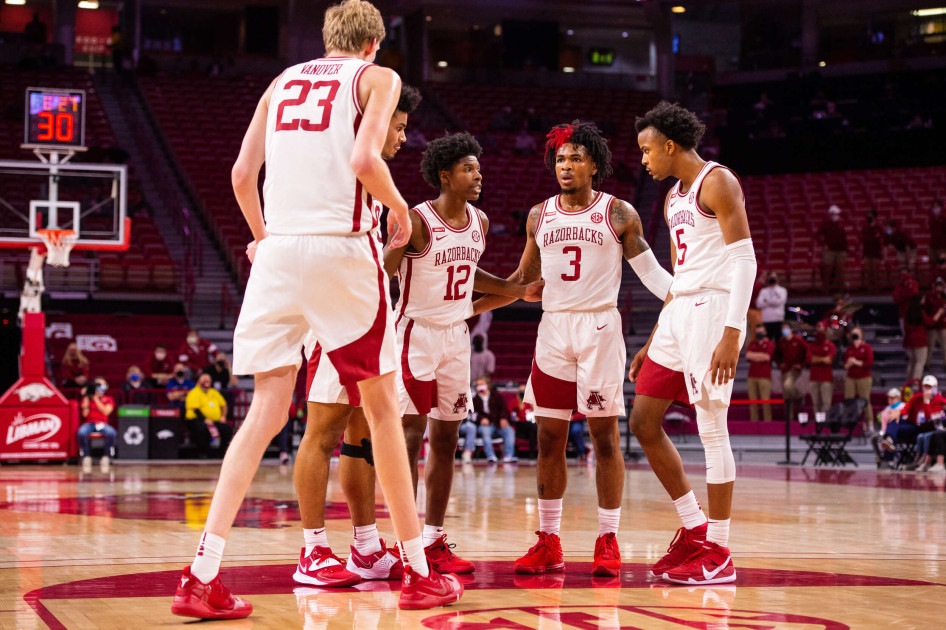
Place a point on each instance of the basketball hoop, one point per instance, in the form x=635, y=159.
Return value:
x=58, y=245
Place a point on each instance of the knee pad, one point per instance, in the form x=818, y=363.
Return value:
x=364, y=451
x=711, y=422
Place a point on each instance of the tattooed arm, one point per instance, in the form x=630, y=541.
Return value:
x=627, y=225
x=530, y=267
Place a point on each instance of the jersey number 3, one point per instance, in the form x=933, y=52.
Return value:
x=304, y=123
x=574, y=262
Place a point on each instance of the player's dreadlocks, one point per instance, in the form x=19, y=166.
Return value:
x=678, y=124
x=442, y=153
x=410, y=99
x=588, y=136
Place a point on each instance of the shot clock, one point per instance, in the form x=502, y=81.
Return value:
x=55, y=119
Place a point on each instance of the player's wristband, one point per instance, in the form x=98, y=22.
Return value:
x=652, y=275
x=742, y=256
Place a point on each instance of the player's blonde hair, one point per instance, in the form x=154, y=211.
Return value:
x=351, y=25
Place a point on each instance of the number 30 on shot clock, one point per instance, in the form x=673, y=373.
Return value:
x=55, y=118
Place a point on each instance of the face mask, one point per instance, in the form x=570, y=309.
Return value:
x=221, y=362
x=772, y=282
x=786, y=332
x=134, y=378
x=481, y=390
x=760, y=336
x=856, y=337
x=192, y=341
x=160, y=356
x=179, y=374
x=101, y=389
x=870, y=220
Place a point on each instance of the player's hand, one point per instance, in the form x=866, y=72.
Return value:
x=725, y=356
x=479, y=307
x=636, y=364
x=533, y=291
x=399, y=227
x=251, y=249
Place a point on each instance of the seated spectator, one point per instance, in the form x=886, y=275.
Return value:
x=206, y=418
x=95, y=408
x=220, y=374
x=922, y=412
x=196, y=353
x=178, y=386
x=74, y=369
x=133, y=386
x=492, y=415
x=159, y=367
x=891, y=414
x=576, y=435
x=523, y=419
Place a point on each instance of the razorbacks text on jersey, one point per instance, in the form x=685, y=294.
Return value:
x=437, y=283
x=581, y=256
x=702, y=262
x=312, y=120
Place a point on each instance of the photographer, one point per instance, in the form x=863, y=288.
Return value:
x=95, y=408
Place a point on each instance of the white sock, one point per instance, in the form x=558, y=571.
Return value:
x=718, y=532
x=432, y=534
x=690, y=511
x=314, y=538
x=206, y=563
x=608, y=521
x=367, y=540
x=550, y=515
x=412, y=553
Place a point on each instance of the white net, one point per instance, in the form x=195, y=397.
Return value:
x=58, y=245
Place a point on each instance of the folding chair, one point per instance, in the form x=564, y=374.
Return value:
x=830, y=448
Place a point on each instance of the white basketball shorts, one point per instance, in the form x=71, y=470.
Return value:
x=678, y=361
x=334, y=286
x=579, y=364
x=435, y=369
x=323, y=384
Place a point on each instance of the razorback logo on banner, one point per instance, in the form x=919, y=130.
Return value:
x=97, y=343
x=59, y=330
x=34, y=430
x=33, y=392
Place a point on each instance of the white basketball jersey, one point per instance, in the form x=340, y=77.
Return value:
x=437, y=283
x=702, y=262
x=581, y=256
x=313, y=116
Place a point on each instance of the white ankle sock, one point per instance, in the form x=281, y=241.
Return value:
x=206, y=563
x=367, y=540
x=718, y=532
x=412, y=553
x=550, y=515
x=608, y=521
x=690, y=511
x=432, y=534
x=314, y=538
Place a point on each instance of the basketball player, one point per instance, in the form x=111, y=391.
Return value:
x=691, y=354
x=436, y=270
x=320, y=127
x=329, y=415
x=575, y=241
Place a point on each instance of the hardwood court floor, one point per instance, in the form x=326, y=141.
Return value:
x=827, y=549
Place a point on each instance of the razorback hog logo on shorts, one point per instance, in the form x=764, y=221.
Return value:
x=33, y=392
x=597, y=217
x=461, y=404
x=595, y=399
x=696, y=390
x=32, y=429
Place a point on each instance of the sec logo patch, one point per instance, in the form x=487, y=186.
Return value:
x=597, y=217
x=476, y=236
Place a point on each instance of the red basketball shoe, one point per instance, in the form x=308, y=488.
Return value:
x=710, y=565
x=684, y=544
x=544, y=557
x=323, y=568
x=380, y=565
x=418, y=593
x=443, y=560
x=607, y=561
x=207, y=601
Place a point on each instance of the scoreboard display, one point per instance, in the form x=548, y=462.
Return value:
x=55, y=118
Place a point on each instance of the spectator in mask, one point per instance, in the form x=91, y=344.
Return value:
x=833, y=240
x=196, y=353
x=891, y=414
x=821, y=355
x=934, y=303
x=915, y=323
x=159, y=367
x=133, y=386
x=178, y=386
x=858, y=360
x=492, y=416
x=906, y=288
x=791, y=353
x=220, y=374
x=759, y=354
x=482, y=360
x=771, y=301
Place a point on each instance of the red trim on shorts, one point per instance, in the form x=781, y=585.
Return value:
x=423, y=393
x=551, y=392
x=657, y=381
x=405, y=290
x=361, y=359
x=469, y=219
x=312, y=367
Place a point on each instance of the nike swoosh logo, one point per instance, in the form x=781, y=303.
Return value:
x=600, y=327
x=183, y=582
x=440, y=238
x=709, y=575
x=700, y=303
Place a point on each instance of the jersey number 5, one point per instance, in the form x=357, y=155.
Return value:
x=454, y=286
x=304, y=123
x=574, y=262
x=681, y=247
